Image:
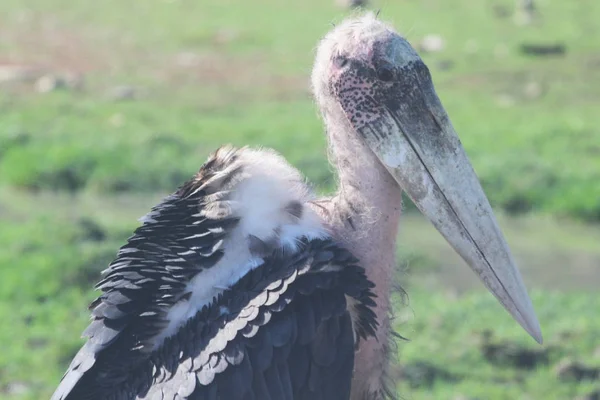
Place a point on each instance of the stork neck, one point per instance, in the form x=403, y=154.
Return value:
x=364, y=215
x=365, y=186
x=366, y=208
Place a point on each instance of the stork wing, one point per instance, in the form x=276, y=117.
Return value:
x=183, y=315
x=282, y=333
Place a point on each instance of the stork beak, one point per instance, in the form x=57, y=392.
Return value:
x=418, y=145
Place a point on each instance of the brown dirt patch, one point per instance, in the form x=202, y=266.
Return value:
x=35, y=44
x=41, y=41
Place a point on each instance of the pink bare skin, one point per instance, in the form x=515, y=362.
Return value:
x=359, y=219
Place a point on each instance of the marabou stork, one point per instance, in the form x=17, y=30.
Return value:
x=243, y=285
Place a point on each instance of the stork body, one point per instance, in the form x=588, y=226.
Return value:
x=232, y=288
x=243, y=285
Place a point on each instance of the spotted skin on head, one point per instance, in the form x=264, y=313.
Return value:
x=362, y=66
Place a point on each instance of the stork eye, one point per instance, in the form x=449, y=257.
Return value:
x=340, y=61
x=385, y=74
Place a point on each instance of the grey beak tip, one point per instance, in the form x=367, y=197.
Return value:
x=531, y=324
x=536, y=333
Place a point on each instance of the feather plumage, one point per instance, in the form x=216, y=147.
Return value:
x=205, y=294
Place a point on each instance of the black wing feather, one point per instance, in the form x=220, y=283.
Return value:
x=282, y=331
x=295, y=341
x=149, y=275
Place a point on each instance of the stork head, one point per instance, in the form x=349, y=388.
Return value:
x=373, y=79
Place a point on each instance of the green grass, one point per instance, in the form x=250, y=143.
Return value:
x=250, y=86
x=447, y=333
x=78, y=167
x=52, y=256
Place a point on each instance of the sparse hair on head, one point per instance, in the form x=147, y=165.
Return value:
x=351, y=36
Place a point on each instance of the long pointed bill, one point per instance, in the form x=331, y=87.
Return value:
x=418, y=145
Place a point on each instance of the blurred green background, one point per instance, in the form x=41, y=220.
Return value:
x=107, y=106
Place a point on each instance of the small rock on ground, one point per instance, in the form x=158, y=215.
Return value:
x=65, y=81
x=445, y=65
x=15, y=73
x=533, y=90
x=49, y=83
x=431, y=43
x=121, y=93
x=17, y=388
